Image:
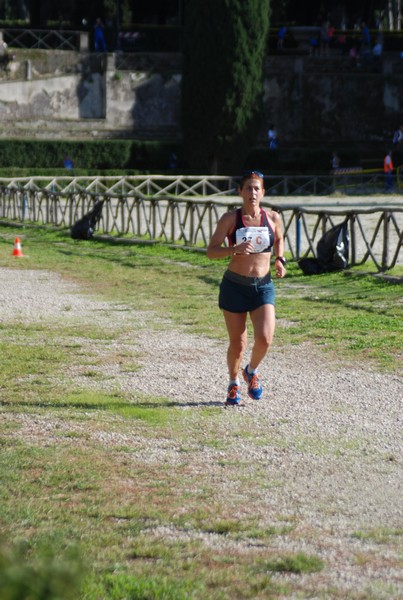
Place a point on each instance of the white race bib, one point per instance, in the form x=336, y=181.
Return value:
x=259, y=236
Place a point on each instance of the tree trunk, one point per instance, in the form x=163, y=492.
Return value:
x=390, y=15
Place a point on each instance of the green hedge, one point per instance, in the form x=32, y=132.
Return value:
x=133, y=157
x=8, y=172
x=92, y=155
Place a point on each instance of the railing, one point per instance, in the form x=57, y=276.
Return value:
x=45, y=39
x=350, y=182
x=148, y=185
x=375, y=234
x=298, y=39
x=144, y=38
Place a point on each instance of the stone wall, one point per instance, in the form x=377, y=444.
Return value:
x=76, y=95
x=322, y=100
x=311, y=100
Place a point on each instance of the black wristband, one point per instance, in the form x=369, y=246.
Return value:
x=282, y=260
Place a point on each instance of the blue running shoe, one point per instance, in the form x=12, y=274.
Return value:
x=255, y=390
x=234, y=395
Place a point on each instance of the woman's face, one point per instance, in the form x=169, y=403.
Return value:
x=252, y=192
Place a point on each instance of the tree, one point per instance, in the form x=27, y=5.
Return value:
x=222, y=80
x=394, y=14
x=279, y=14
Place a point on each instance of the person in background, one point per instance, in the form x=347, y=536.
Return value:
x=354, y=56
x=314, y=45
x=272, y=137
x=335, y=162
x=173, y=160
x=3, y=50
x=388, y=169
x=378, y=48
x=68, y=163
x=6, y=58
x=365, y=37
x=281, y=37
x=324, y=39
x=341, y=42
x=398, y=137
x=99, y=39
x=330, y=33
x=253, y=234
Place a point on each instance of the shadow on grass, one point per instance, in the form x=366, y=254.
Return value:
x=118, y=406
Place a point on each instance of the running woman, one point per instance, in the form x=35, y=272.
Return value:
x=253, y=233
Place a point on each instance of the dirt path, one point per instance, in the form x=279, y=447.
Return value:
x=325, y=443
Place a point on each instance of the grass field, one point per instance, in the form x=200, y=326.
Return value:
x=79, y=519
x=355, y=313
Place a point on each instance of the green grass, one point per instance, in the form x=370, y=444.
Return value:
x=356, y=315
x=380, y=536
x=83, y=498
x=47, y=578
x=298, y=563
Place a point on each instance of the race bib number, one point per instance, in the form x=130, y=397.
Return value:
x=259, y=236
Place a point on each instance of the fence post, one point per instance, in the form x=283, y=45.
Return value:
x=154, y=218
x=31, y=197
x=28, y=70
x=84, y=41
x=47, y=204
x=191, y=223
x=210, y=219
x=298, y=233
x=138, y=215
x=121, y=207
x=71, y=201
x=24, y=206
x=324, y=222
x=386, y=220
x=172, y=206
x=14, y=208
x=352, y=240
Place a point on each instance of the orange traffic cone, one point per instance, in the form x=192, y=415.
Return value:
x=17, y=248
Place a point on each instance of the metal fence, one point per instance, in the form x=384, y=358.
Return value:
x=145, y=38
x=44, y=39
x=376, y=233
x=151, y=37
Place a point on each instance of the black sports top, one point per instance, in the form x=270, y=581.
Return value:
x=262, y=237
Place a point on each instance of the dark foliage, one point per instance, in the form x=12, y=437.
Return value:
x=222, y=90
x=105, y=154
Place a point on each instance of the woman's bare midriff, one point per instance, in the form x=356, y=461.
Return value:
x=251, y=265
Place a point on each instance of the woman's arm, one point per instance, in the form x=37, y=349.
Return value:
x=278, y=245
x=215, y=249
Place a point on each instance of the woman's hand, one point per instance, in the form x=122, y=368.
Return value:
x=280, y=269
x=243, y=248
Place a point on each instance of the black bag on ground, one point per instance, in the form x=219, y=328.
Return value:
x=310, y=266
x=84, y=228
x=332, y=252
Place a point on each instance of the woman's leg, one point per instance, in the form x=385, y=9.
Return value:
x=237, y=333
x=263, y=321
